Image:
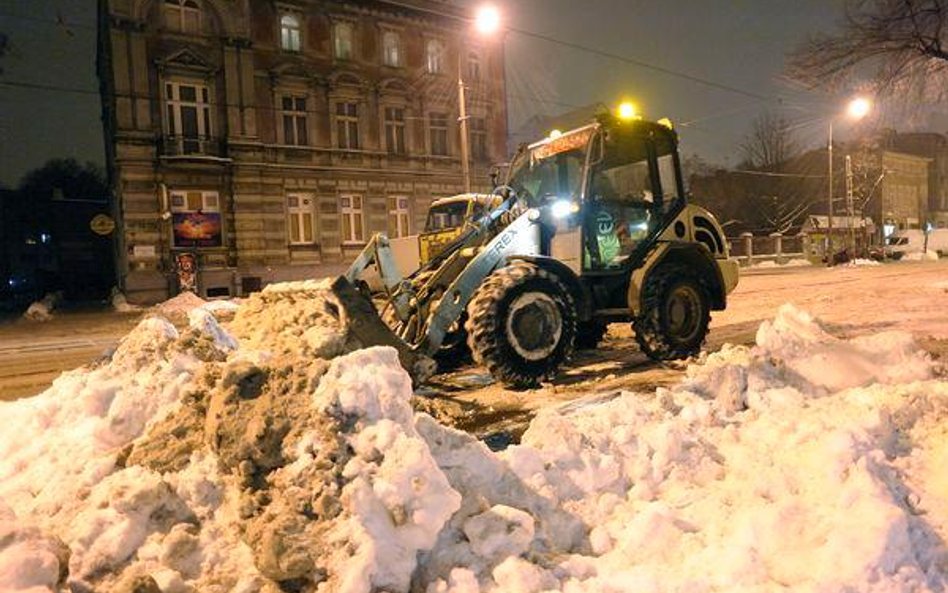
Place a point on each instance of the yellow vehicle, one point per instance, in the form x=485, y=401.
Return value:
x=447, y=218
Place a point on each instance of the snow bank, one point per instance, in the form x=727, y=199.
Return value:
x=42, y=310
x=792, y=465
x=120, y=303
x=921, y=256
x=793, y=263
x=273, y=455
x=208, y=459
x=176, y=308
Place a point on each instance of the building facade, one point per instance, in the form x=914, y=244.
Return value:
x=934, y=147
x=903, y=193
x=269, y=139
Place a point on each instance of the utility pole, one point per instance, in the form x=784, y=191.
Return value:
x=829, y=198
x=462, y=112
x=849, y=206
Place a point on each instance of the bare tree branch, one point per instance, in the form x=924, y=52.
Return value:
x=900, y=45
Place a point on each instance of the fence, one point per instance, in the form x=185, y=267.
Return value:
x=776, y=247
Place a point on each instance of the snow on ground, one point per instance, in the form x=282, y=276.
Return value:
x=921, y=256
x=793, y=263
x=42, y=310
x=272, y=454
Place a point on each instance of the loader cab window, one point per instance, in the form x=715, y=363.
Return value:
x=539, y=178
x=621, y=202
x=446, y=216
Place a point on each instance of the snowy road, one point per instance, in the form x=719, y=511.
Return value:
x=852, y=300
x=32, y=354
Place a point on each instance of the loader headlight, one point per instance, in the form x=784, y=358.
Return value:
x=562, y=208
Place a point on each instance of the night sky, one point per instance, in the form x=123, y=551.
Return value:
x=735, y=43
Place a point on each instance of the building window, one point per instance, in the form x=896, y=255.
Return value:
x=347, y=125
x=182, y=15
x=351, y=211
x=299, y=209
x=342, y=40
x=188, y=113
x=398, y=217
x=196, y=218
x=395, y=130
x=438, y=129
x=290, y=32
x=478, y=128
x=390, y=49
x=294, y=121
x=434, y=54
x=473, y=66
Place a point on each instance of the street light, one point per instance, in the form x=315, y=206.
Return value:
x=857, y=109
x=486, y=22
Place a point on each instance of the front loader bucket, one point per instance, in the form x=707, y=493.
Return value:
x=366, y=325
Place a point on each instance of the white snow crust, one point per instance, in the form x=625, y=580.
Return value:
x=806, y=462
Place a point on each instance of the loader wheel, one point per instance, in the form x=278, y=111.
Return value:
x=589, y=334
x=521, y=324
x=675, y=314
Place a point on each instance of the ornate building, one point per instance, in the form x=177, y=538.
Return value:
x=271, y=138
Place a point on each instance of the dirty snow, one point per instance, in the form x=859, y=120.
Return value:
x=921, y=256
x=42, y=310
x=270, y=452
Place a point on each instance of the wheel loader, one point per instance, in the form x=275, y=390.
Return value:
x=590, y=227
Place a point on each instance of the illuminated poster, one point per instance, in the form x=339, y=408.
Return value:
x=197, y=229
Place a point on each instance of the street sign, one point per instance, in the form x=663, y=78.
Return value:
x=102, y=224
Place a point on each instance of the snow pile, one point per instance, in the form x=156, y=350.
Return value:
x=176, y=308
x=42, y=310
x=190, y=463
x=300, y=318
x=921, y=256
x=804, y=463
x=792, y=263
x=120, y=303
x=859, y=261
x=244, y=459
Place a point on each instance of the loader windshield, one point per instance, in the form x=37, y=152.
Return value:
x=552, y=168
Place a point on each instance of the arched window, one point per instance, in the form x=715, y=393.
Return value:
x=290, y=32
x=182, y=15
x=342, y=40
x=390, y=49
x=434, y=53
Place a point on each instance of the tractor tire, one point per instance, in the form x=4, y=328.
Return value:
x=521, y=324
x=589, y=334
x=675, y=314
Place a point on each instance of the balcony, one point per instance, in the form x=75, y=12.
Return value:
x=193, y=147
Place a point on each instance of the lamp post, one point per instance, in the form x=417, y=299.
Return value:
x=486, y=22
x=856, y=110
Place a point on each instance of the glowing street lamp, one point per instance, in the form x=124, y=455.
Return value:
x=487, y=21
x=857, y=109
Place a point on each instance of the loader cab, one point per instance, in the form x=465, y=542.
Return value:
x=608, y=188
x=633, y=186
x=447, y=218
